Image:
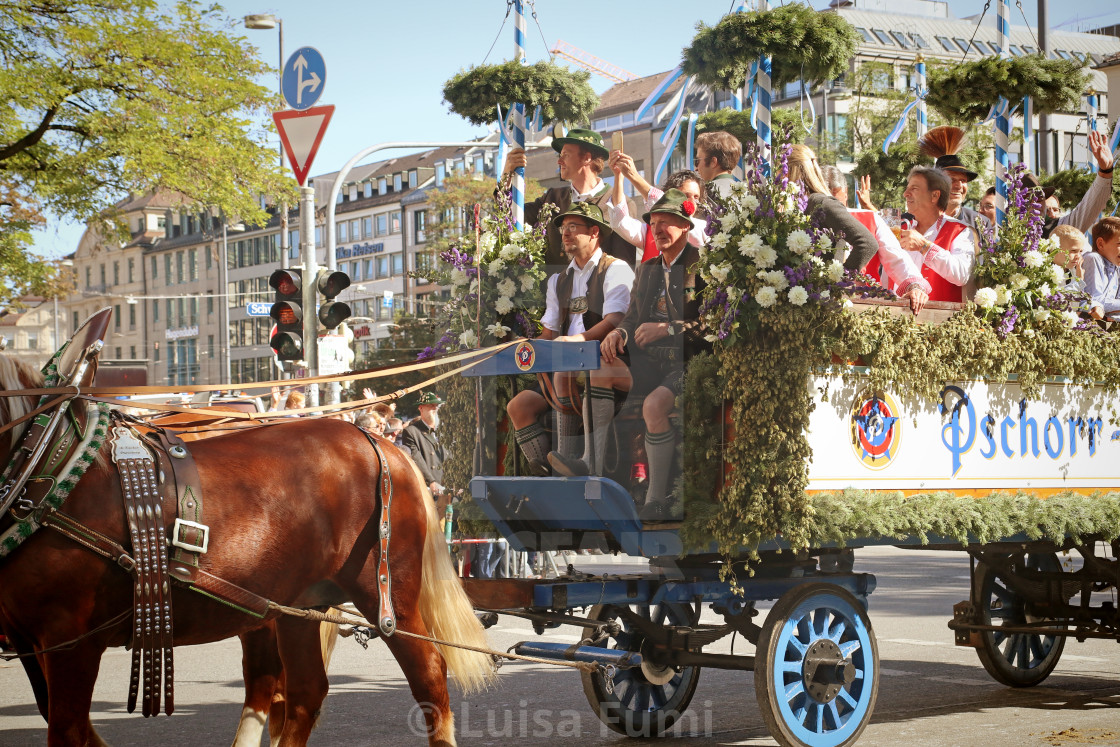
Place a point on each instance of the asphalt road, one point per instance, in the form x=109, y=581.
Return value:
x=931, y=692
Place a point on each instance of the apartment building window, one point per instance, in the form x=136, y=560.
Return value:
x=419, y=222
x=155, y=311
x=116, y=273
x=382, y=185
x=181, y=303
x=192, y=262
x=354, y=229
x=89, y=278
x=117, y=320
x=355, y=267
x=132, y=316
x=395, y=222
x=155, y=353
x=194, y=309
x=882, y=37
x=382, y=265
x=210, y=345
x=367, y=227
x=919, y=41
x=179, y=267
x=131, y=270
x=382, y=224
x=441, y=173
x=367, y=189
x=412, y=179
x=209, y=259
x=132, y=352
x=170, y=312
x=341, y=232
x=209, y=305
x=866, y=36
x=396, y=182
x=397, y=263
x=118, y=355
x=74, y=319
x=368, y=270
x=102, y=268
x=167, y=268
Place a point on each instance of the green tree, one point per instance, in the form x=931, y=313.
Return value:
x=108, y=97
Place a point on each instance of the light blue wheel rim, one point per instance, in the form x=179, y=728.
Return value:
x=631, y=690
x=814, y=723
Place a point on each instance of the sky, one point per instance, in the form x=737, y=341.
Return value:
x=387, y=61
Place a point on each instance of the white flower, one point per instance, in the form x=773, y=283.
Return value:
x=503, y=305
x=711, y=338
x=766, y=256
x=847, y=304
x=1003, y=295
x=507, y=287
x=458, y=277
x=719, y=272
x=487, y=242
x=1041, y=315
x=474, y=286
x=824, y=244
x=734, y=294
x=1028, y=333
x=509, y=252
x=468, y=339
x=826, y=294
x=835, y=271
x=794, y=187
x=750, y=202
x=799, y=242
x=1071, y=318
x=1049, y=245
x=719, y=240
x=986, y=298
x=1034, y=258
x=1058, y=274
x=527, y=282
x=750, y=244
x=517, y=236
x=1044, y=290
x=728, y=221
x=798, y=295
x=777, y=278
x=496, y=266
x=497, y=329
x=766, y=296
x=1018, y=281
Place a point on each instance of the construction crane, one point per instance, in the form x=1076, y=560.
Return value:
x=588, y=61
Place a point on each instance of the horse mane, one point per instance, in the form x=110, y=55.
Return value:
x=15, y=375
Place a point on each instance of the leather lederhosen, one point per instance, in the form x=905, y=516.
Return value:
x=593, y=309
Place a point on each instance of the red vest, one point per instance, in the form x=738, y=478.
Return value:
x=942, y=289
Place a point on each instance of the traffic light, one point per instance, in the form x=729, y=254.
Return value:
x=287, y=311
x=331, y=312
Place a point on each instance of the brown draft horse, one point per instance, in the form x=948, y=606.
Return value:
x=301, y=532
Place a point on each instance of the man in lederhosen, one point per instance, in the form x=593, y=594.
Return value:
x=583, y=302
x=660, y=332
x=581, y=157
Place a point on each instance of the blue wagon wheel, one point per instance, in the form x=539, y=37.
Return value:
x=817, y=667
x=641, y=702
x=1015, y=659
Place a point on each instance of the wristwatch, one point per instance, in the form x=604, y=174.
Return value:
x=672, y=328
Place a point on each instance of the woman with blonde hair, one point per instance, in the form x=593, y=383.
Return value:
x=803, y=168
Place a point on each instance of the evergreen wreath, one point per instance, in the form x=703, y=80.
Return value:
x=802, y=44
x=563, y=95
x=966, y=91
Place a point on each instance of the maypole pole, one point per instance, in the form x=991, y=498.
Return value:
x=1091, y=116
x=762, y=86
x=1028, y=134
x=1003, y=127
x=920, y=91
x=519, y=118
x=737, y=93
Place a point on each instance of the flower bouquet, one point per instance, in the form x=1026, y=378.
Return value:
x=766, y=251
x=1020, y=287
x=497, y=282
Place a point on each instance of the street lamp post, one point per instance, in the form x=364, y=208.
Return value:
x=260, y=22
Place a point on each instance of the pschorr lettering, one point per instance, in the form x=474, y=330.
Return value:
x=1014, y=434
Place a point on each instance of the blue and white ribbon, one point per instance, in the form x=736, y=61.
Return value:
x=763, y=95
x=518, y=191
x=919, y=90
x=737, y=92
x=672, y=134
x=1003, y=123
x=1028, y=134
x=658, y=91
x=1114, y=143
x=900, y=125
x=690, y=141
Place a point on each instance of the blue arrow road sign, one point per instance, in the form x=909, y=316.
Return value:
x=305, y=74
x=258, y=309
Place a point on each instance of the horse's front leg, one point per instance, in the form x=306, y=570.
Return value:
x=70, y=677
x=262, y=670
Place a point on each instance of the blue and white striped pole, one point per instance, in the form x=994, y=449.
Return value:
x=737, y=93
x=1091, y=116
x=1003, y=127
x=763, y=93
x=519, y=118
x=1028, y=134
x=920, y=91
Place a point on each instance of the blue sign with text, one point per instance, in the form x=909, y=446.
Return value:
x=258, y=309
x=303, y=79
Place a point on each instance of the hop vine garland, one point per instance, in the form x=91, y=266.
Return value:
x=563, y=95
x=967, y=91
x=802, y=44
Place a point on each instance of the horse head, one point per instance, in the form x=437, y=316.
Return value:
x=15, y=375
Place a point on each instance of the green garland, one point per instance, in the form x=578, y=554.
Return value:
x=763, y=378
x=563, y=95
x=966, y=91
x=802, y=44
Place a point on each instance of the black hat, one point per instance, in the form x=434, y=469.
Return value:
x=1030, y=180
x=588, y=211
x=589, y=139
x=952, y=162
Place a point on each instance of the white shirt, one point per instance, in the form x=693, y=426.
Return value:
x=593, y=193
x=954, y=263
x=899, y=264
x=617, y=283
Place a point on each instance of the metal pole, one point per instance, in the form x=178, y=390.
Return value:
x=224, y=296
x=310, y=267
x=1043, y=135
x=284, y=243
